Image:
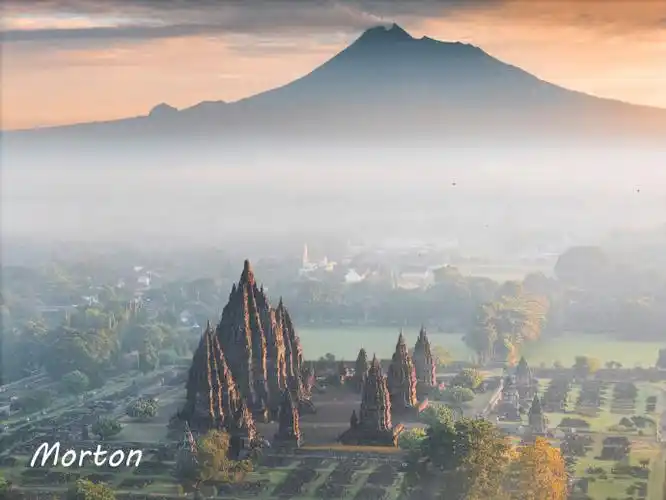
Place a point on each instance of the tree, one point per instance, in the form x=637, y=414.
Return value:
x=585, y=366
x=34, y=401
x=88, y=351
x=134, y=336
x=441, y=356
x=661, y=360
x=75, y=382
x=582, y=266
x=30, y=348
x=510, y=289
x=5, y=486
x=143, y=409
x=106, y=428
x=469, y=378
x=87, y=490
x=473, y=456
x=457, y=395
x=148, y=357
x=435, y=414
x=411, y=439
x=538, y=473
x=482, y=336
x=168, y=357
x=214, y=463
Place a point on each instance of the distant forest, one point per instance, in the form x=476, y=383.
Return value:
x=589, y=293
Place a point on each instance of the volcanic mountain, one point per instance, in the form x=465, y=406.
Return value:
x=390, y=84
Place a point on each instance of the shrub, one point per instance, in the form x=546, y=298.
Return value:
x=142, y=408
x=75, y=382
x=106, y=428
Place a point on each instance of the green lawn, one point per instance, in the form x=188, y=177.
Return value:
x=605, y=419
x=565, y=349
x=345, y=341
x=616, y=486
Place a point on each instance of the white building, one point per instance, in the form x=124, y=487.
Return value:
x=353, y=277
x=308, y=267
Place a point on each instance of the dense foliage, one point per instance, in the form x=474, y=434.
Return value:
x=92, y=316
x=105, y=428
x=472, y=459
x=142, y=409
x=87, y=490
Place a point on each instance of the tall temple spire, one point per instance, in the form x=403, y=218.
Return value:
x=247, y=276
x=289, y=431
x=401, y=378
x=212, y=397
x=360, y=370
x=373, y=425
x=253, y=353
x=424, y=362
x=536, y=418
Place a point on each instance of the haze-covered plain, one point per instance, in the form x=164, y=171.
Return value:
x=546, y=197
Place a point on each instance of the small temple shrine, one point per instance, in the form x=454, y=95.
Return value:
x=373, y=424
x=424, y=365
x=401, y=380
x=289, y=433
x=537, y=422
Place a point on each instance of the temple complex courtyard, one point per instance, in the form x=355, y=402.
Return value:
x=331, y=429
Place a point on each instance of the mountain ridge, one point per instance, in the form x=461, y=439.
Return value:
x=385, y=81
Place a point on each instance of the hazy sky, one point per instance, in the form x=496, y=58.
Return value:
x=66, y=61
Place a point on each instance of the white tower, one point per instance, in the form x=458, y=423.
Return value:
x=306, y=261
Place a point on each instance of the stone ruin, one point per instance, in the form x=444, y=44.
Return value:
x=213, y=400
x=186, y=454
x=373, y=425
x=242, y=367
x=309, y=380
x=262, y=347
x=538, y=425
x=401, y=380
x=424, y=364
x=508, y=405
x=342, y=374
x=526, y=383
x=289, y=432
x=360, y=370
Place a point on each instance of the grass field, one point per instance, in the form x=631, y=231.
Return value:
x=565, y=349
x=344, y=342
x=605, y=419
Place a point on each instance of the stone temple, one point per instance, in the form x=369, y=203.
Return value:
x=538, y=424
x=401, y=380
x=289, y=433
x=373, y=425
x=262, y=348
x=213, y=400
x=360, y=370
x=242, y=368
x=424, y=365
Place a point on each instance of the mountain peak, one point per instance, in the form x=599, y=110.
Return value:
x=386, y=33
x=162, y=109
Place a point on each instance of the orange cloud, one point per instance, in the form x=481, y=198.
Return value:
x=611, y=49
x=89, y=85
x=555, y=45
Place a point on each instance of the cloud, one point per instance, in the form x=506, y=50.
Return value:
x=74, y=22
x=173, y=19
